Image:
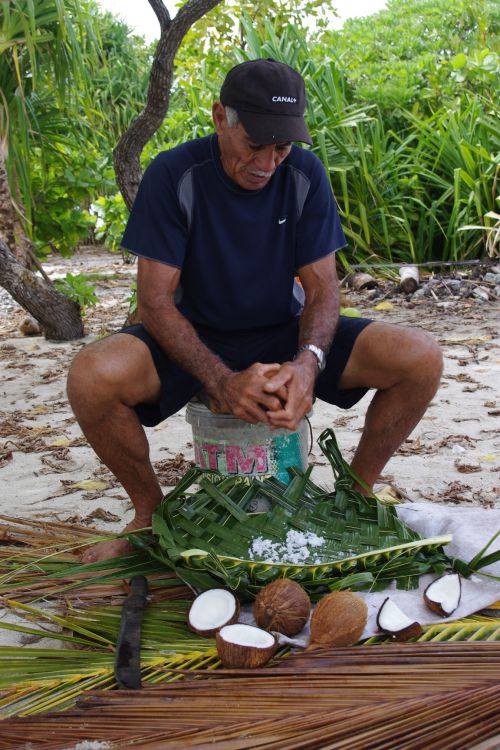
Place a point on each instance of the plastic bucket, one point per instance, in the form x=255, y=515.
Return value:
x=234, y=447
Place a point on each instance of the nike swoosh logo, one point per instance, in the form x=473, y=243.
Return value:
x=281, y=221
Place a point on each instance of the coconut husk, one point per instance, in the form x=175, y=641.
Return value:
x=338, y=620
x=282, y=606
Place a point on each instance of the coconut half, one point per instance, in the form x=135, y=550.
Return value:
x=244, y=646
x=442, y=596
x=393, y=621
x=211, y=610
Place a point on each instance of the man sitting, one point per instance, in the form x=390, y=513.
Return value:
x=222, y=225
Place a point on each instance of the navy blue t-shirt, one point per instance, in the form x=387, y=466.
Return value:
x=238, y=249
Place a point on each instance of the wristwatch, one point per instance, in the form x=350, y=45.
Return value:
x=318, y=353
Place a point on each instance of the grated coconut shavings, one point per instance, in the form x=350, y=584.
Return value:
x=297, y=548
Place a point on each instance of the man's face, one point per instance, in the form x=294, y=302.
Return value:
x=250, y=165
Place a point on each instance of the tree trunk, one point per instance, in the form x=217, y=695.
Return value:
x=59, y=317
x=129, y=148
x=11, y=231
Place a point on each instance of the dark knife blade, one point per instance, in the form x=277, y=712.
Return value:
x=128, y=646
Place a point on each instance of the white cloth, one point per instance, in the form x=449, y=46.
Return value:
x=471, y=529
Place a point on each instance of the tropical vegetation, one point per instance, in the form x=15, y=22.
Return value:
x=402, y=110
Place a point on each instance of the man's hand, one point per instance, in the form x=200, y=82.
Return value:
x=244, y=394
x=298, y=379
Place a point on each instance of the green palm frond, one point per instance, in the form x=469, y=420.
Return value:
x=206, y=536
x=202, y=539
x=34, y=680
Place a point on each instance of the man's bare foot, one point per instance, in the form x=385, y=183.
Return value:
x=114, y=547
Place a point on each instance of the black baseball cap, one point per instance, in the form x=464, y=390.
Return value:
x=270, y=99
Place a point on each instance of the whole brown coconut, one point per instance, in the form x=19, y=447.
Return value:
x=338, y=619
x=282, y=606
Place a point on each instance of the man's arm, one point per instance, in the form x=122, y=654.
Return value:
x=320, y=315
x=317, y=326
x=241, y=394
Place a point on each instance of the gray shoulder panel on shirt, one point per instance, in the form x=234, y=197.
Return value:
x=302, y=185
x=185, y=195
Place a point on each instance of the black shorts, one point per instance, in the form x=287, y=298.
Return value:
x=239, y=350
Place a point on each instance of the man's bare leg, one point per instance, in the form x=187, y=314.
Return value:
x=405, y=367
x=105, y=381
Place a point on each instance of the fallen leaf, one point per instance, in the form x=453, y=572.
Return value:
x=384, y=306
x=453, y=488
x=344, y=420
x=456, y=492
x=467, y=467
x=170, y=470
x=411, y=447
x=454, y=440
x=462, y=377
x=40, y=409
x=59, y=462
x=489, y=457
x=471, y=340
x=89, y=484
x=389, y=494
x=350, y=312
x=5, y=457
x=102, y=515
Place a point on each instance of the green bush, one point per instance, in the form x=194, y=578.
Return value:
x=78, y=289
x=112, y=216
x=406, y=181
x=402, y=108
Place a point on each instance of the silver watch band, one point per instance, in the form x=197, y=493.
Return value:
x=318, y=353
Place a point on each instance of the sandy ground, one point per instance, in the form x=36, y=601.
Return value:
x=47, y=470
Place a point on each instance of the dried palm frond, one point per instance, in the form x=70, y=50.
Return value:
x=40, y=679
x=425, y=696
x=41, y=533
x=40, y=560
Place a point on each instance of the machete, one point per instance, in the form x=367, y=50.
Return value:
x=128, y=646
